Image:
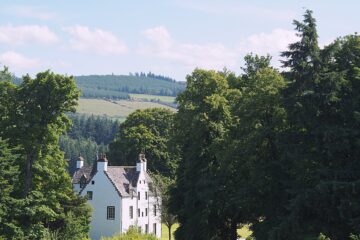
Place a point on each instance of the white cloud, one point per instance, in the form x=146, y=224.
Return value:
x=159, y=35
x=272, y=43
x=17, y=61
x=208, y=55
x=17, y=35
x=97, y=41
x=32, y=12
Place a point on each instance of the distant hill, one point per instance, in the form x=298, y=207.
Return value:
x=119, y=86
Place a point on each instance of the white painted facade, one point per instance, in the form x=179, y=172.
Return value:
x=105, y=194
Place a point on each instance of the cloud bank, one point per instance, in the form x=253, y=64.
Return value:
x=26, y=34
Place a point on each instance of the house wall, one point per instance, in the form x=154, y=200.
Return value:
x=104, y=194
x=126, y=220
x=143, y=204
x=77, y=187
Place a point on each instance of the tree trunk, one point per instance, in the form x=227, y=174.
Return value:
x=28, y=174
x=233, y=230
x=169, y=227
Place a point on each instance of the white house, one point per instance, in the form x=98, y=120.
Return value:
x=121, y=196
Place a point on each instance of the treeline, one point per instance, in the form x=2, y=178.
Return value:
x=277, y=151
x=152, y=75
x=88, y=136
x=118, y=86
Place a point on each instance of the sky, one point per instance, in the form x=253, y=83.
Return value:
x=166, y=37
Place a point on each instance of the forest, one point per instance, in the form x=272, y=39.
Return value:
x=88, y=137
x=277, y=151
x=118, y=86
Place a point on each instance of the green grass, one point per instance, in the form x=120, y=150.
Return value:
x=119, y=109
x=146, y=97
x=165, y=231
x=243, y=232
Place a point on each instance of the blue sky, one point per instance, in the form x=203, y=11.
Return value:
x=169, y=37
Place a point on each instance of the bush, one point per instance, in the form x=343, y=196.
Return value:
x=131, y=234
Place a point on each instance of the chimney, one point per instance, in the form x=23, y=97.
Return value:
x=102, y=163
x=80, y=162
x=141, y=165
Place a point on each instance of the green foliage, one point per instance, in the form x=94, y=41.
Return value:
x=87, y=148
x=201, y=127
x=88, y=136
x=276, y=151
x=9, y=174
x=147, y=131
x=163, y=186
x=32, y=119
x=131, y=234
x=99, y=129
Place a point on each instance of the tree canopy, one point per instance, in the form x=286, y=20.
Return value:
x=32, y=119
x=148, y=131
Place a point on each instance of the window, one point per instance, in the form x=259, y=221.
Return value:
x=138, y=195
x=154, y=226
x=89, y=195
x=142, y=214
x=138, y=212
x=154, y=210
x=146, y=213
x=131, y=212
x=139, y=229
x=92, y=182
x=146, y=228
x=146, y=196
x=110, y=212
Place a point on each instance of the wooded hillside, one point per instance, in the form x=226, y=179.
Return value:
x=117, y=86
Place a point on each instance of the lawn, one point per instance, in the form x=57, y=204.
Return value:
x=119, y=109
x=146, y=97
x=165, y=233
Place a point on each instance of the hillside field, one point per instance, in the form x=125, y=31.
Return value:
x=118, y=109
x=147, y=97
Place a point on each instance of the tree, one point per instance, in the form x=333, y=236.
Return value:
x=38, y=115
x=162, y=191
x=201, y=127
x=9, y=173
x=252, y=167
x=320, y=142
x=32, y=119
x=146, y=131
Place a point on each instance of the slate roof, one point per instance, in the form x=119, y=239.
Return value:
x=87, y=171
x=123, y=178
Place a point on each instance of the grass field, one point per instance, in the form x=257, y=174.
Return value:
x=243, y=232
x=146, y=97
x=165, y=233
x=114, y=109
